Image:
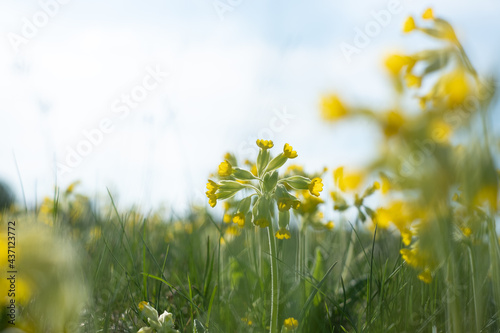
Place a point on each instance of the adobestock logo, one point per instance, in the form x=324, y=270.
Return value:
x=121, y=107
x=277, y=123
x=39, y=20
x=372, y=29
x=223, y=6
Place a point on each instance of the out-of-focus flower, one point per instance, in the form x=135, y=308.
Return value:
x=332, y=108
x=409, y=25
x=425, y=276
x=239, y=219
x=290, y=324
x=396, y=62
x=428, y=14
x=347, y=181
x=413, y=81
x=283, y=233
x=225, y=169
x=392, y=123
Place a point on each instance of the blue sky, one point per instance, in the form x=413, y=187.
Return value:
x=263, y=66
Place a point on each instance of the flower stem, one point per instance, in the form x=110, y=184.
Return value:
x=274, y=281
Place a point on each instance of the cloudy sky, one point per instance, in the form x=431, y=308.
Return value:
x=145, y=97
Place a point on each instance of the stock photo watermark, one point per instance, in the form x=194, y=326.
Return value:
x=371, y=29
x=121, y=108
x=222, y=7
x=277, y=123
x=30, y=27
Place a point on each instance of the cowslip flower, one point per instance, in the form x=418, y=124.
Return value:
x=265, y=144
x=289, y=152
x=347, y=181
x=330, y=225
x=284, y=204
x=262, y=222
x=425, y=276
x=225, y=169
x=291, y=323
x=212, y=187
x=396, y=62
x=409, y=25
x=315, y=186
x=428, y=14
x=239, y=219
x=332, y=108
x=413, y=81
x=283, y=233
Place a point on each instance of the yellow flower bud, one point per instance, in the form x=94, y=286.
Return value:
x=262, y=222
x=289, y=152
x=265, y=144
x=291, y=323
x=330, y=225
x=332, y=108
x=395, y=63
x=428, y=14
x=315, y=186
x=283, y=233
x=409, y=25
x=212, y=187
x=413, y=81
x=225, y=169
x=239, y=219
x=425, y=276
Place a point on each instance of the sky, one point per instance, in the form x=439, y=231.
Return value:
x=144, y=97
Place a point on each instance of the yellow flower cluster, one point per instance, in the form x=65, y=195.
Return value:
x=267, y=190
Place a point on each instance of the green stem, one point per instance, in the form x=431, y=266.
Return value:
x=453, y=298
x=350, y=252
x=274, y=281
x=475, y=291
x=494, y=260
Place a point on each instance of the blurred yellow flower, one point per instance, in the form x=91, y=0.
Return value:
x=262, y=222
x=309, y=203
x=347, y=181
x=392, y=123
x=291, y=323
x=225, y=169
x=487, y=194
x=440, y=131
x=466, y=231
x=396, y=62
x=283, y=233
x=71, y=187
x=413, y=81
x=455, y=87
x=330, y=225
x=409, y=25
x=428, y=14
x=425, y=276
x=239, y=219
x=226, y=218
x=332, y=108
